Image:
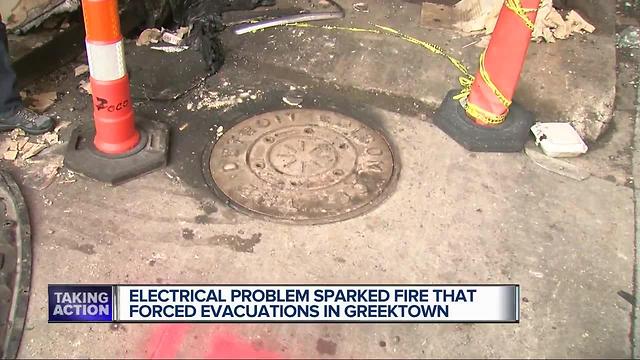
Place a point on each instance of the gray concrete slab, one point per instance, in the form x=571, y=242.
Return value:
x=455, y=217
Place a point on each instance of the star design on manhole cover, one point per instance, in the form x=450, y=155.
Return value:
x=303, y=156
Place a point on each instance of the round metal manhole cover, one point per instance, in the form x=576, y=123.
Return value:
x=303, y=166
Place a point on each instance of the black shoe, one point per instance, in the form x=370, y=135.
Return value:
x=27, y=120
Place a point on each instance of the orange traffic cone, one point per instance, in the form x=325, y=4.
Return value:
x=483, y=117
x=114, y=149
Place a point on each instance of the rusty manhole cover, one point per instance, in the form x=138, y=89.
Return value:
x=302, y=166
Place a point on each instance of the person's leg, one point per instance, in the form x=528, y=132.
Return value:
x=13, y=114
x=9, y=97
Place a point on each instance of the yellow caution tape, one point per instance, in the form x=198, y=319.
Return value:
x=429, y=46
x=466, y=80
x=516, y=7
x=476, y=111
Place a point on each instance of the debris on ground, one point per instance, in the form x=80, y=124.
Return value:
x=170, y=49
x=214, y=100
x=204, y=18
x=481, y=16
x=155, y=36
x=18, y=146
x=293, y=98
x=361, y=7
x=559, y=139
x=61, y=125
x=171, y=38
x=29, y=14
x=46, y=201
x=174, y=178
x=85, y=86
x=41, y=102
x=66, y=176
x=30, y=150
x=175, y=38
x=11, y=145
x=25, y=149
x=41, y=177
x=475, y=15
x=149, y=36
x=578, y=24
x=629, y=38
x=483, y=43
x=183, y=32
x=81, y=70
x=50, y=138
x=293, y=101
x=10, y=155
x=550, y=25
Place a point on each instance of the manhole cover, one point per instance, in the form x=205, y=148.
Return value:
x=15, y=265
x=309, y=166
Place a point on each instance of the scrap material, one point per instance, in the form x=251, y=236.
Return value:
x=170, y=49
x=81, y=70
x=85, y=86
x=481, y=16
x=29, y=14
x=203, y=18
x=551, y=26
x=149, y=36
x=41, y=102
x=18, y=146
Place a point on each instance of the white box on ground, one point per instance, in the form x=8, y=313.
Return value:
x=559, y=139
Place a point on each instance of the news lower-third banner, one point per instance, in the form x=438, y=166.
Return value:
x=284, y=303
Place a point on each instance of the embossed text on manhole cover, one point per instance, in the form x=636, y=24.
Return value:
x=309, y=166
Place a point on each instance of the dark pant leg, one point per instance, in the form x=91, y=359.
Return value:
x=9, y=97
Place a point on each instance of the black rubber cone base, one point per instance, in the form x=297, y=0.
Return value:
x=151, y=154
x=510, y=136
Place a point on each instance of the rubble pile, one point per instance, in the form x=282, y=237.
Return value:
x=202, y=18
x=473, y=16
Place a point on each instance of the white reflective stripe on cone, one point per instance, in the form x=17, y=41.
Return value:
x=106, y=62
